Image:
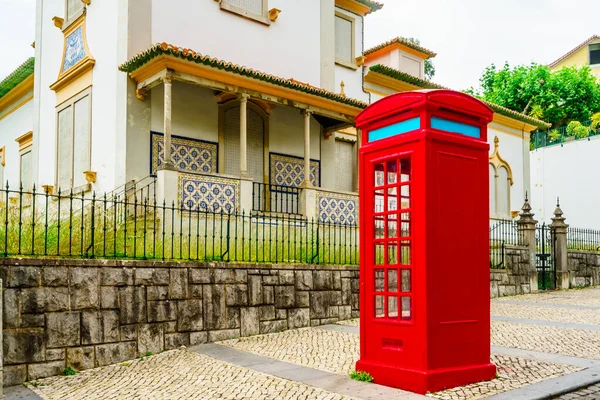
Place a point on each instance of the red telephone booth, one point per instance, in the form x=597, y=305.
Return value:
x=424, y=260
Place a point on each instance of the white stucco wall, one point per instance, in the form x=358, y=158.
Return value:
x=352, y=78
x=570, y=172
x=12, y=126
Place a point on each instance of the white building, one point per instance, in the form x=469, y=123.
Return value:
x=248, y=111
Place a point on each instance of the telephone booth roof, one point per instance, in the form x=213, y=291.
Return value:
x=433, y=100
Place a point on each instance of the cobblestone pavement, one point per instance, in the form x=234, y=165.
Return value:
x=583, y=297
x=176, y=374
x=558, y=314
x=338, y=352
x=588, y=393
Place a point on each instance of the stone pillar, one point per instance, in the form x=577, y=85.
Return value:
x=558, y=229
x=166, y=187
x=168, y=164
x=526, y=226
x=307, y=183
x=243, y=134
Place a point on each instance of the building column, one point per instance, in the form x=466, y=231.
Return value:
x=168, y=162
x=559, y=229
x=526, y=228
x=243, y=134
x=307, y=183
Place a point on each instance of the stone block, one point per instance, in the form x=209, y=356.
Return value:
x=44, y=370
x=196, y=291
x=23, y=346
x=323, y=280
x=280, y=314
x=333, y=312
x=346, y=291
x=99, y=327
x=171, y=327
x=273, y=326
x=155, y=293
x=55, y=276
x=271, y=280
x=355, y=313
x=236, y=295
x=178, y=283
x=347, y=274
x=355, y=302
x=176, y=340
x=215, y=312
x=109, y=297
x=285, y=296
x=128, y=332
x=189, y=315
x=328, y=321
x=240, y=276
x=286, y=277
x=32, y=321
x=84, y=288
x=298, y=318
x=304, y=280
x=14, y=374
x=151, y=338
x=345, y=312
x=11, y=308
x=268, y=295
x=320, y=302
x=255, y=290
x=80, y=358
x=302, y=299
x=162, y=311
x=249, y=321
x=266, y=313
x=315, y=322
x=116, y=276
x=39, y=300
x=355, y=285
x=493, y=289
x=200, y=275
x=226, y=334
x=21, y=276
x=55, y=354
x=224, y=276
x=133, y=305
x=151, y=276
x=63, y=329
x=337, y=280
x=113, y=353
x=233, y=317
x=197, y=338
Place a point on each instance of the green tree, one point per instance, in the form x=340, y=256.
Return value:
x=429, y=67
x=555, y=97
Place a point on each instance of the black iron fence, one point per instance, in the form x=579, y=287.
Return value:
x=503, y=232
x=583, y=239
x=131, y=227
x=275, y=198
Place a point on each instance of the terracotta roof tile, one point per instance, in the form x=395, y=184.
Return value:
x=425, y=84
x=573, y=50
x=189, y=55
x=374, y=5
x=402, y=41
x=17, y=76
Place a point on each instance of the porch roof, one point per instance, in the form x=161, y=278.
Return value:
x=23, y=72
x=400, y=42
x=180, y=59
x=410, y=82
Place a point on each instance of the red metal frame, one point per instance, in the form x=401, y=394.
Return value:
x=430, y=330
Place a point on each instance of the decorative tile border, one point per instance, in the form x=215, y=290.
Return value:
x=189, y=155
x=337, y=208
x=289, y=170
x=200, y=192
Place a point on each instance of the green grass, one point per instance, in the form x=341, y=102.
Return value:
x=361, y=376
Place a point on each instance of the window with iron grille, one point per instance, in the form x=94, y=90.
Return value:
x=253, y=9
x=344, y=39
x=595, y=54
x=73, y=9
x=344, y=160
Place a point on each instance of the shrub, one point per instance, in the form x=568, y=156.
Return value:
x=361, y=376
x=554, y=135
x=575, y=128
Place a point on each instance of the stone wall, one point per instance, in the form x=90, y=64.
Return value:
x=90, y=313
x=584, y=268
x=514, y=278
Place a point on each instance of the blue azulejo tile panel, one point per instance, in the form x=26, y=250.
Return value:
x=337, y=208
x=207, y=193
x=74, y=50
x=189, y=155
x=289, y=170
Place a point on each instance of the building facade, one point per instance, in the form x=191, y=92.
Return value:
x=586, y=53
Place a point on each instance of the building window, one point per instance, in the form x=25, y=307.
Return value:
x=344, y=40
x=253, y=9
x=344, y=169
x=74, y=8
x=595, y=54
x=73, y=144
x=500, y=182
x=25, y=170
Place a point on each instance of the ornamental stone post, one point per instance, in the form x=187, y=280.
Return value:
x=526, y=227
x=559, y=229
